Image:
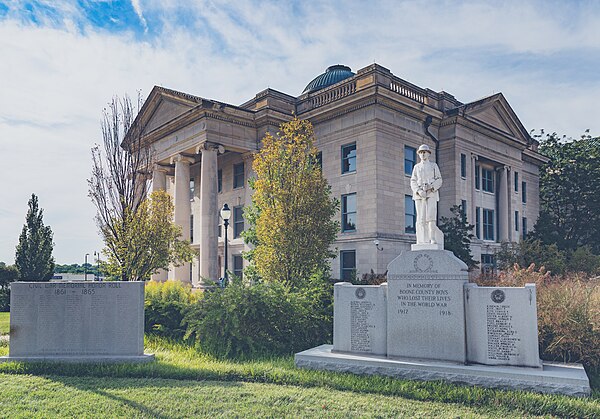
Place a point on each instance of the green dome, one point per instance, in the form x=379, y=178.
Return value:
x=332, y=75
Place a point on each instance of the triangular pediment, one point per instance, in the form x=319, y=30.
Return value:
x=165, y=111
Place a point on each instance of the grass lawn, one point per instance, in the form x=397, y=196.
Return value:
x=184, y=383
x=4, y=323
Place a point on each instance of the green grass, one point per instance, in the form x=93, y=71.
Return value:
x=4, y=323
x=276, y=379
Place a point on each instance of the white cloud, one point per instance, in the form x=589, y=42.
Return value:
x=57, y=77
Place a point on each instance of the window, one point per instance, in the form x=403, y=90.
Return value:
x=320, y=160
x=463, y=165
x=477, y=176
x=517, y=220
x=191, y=228
x=191, y=275
x=219, y=227
x=524, y=228
x=238, y=266
x=347, y=265
x=478, y=222
x=219, y=181
x=238, y=175
x=488, y=224
x=410, y=215
x=524, y=192
x=463, y=209
x=488, y=263
x=516, y=181
x=410, y=159
x=349, y=158
x=192, y=189
x=349, y=212
x=487, y=180
x=238, y=221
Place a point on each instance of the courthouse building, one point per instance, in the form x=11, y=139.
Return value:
x=368, y=126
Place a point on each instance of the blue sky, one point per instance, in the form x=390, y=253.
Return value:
x=62, y=61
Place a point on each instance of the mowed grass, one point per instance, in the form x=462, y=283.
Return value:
x=4, y=323
x=264, y=387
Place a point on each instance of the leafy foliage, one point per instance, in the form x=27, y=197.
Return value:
x=8, y=274
x=33, y=257
x=262, y=319
x=458, y=234
x=291, y=221
x=148, y=240
x=531, y=251
x=569, y=192
x=165, y=306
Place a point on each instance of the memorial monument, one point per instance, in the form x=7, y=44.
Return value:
x=429, y=323
x=77, y=322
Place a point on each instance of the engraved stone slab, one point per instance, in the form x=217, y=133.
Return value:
x=76, y=319
x=502, y=325
x=426, y=317
x=359, y=313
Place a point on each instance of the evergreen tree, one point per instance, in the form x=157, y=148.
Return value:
x=458, y=234
x=291, y=218
x=33, y=257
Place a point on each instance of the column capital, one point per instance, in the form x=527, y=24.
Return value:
x=183, y=159
x=210, y=146
x=161, y=168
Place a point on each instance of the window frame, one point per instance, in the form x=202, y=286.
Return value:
x=237, y=272
x=524, y=192
x=408, y=162
x=477, y=177
x=343, y=270
x=219, y=180
x=478, y=222
x=463, y=165
x=236, y=223
x=516, y=182
x=487, y=181
x=345, y=212
x=346, y=158
x=517, y=218
x=488, y=224
x=408, y=200
x=236, y=176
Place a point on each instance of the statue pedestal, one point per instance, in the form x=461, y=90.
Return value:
x=429, y=246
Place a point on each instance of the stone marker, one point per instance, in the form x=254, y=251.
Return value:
x=502, y=325
x=359, y=313
x=77, y=321
x=426, y=306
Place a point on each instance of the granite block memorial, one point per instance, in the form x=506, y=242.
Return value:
x=435, y=325
x=77, y=322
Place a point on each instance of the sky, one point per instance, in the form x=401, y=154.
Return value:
x=61, y=62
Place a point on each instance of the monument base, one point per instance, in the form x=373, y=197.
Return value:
x=82, y=359
x=428, y=246
x=553, y=378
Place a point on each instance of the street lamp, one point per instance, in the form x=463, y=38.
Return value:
x=85, y=266
x=225, y=215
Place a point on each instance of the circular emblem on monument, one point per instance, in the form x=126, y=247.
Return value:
x=360, y=293
x=498, y=296
x=423, y=263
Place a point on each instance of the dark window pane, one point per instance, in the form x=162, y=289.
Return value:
x=410, y=217
x=463, y=209
x=238, y=175
x=488, y=224
x=410, y=158
x=349, y=212
x=524, y=192
x=238, y=266
x=347, y=264
x=463, y=165
x=516, y=182
x=477, y=171
x=219, y=180
x=478, y=222
x=192, y=228
x=238, y=221
x=487, y=180
x=349, y=158
x=517, y=220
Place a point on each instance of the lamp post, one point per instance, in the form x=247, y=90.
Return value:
x=225, y=215
x=85, y=266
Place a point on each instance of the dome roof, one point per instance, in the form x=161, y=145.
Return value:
x=332, y=75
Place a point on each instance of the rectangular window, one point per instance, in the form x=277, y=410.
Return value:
x=478, y=222
x=191, y=228
x=238, y=175
x=487, y=180
x=349, y=212
x=517, y=220
x=238, y=221
x=410, y=159
x=524, y=228
x=524, y=192
x=516, y=181
x=488, y=224
x=320, y=160
x=410, y=215
x=191, y=275
x=477, y=170
x=488, y=263
x=347, y=265
x=463, y=165
x=219, y=180
x=192, y=189
x=238, y=266
x=219, y=228
x=349, y=158
x=463, y=209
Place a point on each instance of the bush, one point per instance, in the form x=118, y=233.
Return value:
x=242, y=321
x=568, y=313
x=8, y=274
x=165, y=306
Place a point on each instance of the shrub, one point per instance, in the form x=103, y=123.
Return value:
x=242, y=321
x=568, y=313
x=165, y=306
x=8, y=274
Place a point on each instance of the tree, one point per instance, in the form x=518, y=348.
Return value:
x=531, y=251
x=458, y=234
x=33, y=257
x=570, y=192
x=291, y=220
x=148, y=242
x=8, y=274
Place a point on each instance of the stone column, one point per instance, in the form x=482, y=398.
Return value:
x=159, y=183
x=503, y=204
x=209, y=212
x=183, y=210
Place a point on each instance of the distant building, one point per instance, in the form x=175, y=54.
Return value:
x=368, y=126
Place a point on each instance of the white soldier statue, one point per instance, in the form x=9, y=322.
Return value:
x=425, y=182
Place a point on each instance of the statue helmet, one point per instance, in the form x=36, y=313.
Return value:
x=423, y=148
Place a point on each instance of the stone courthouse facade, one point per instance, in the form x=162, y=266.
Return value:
x=368, y=126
